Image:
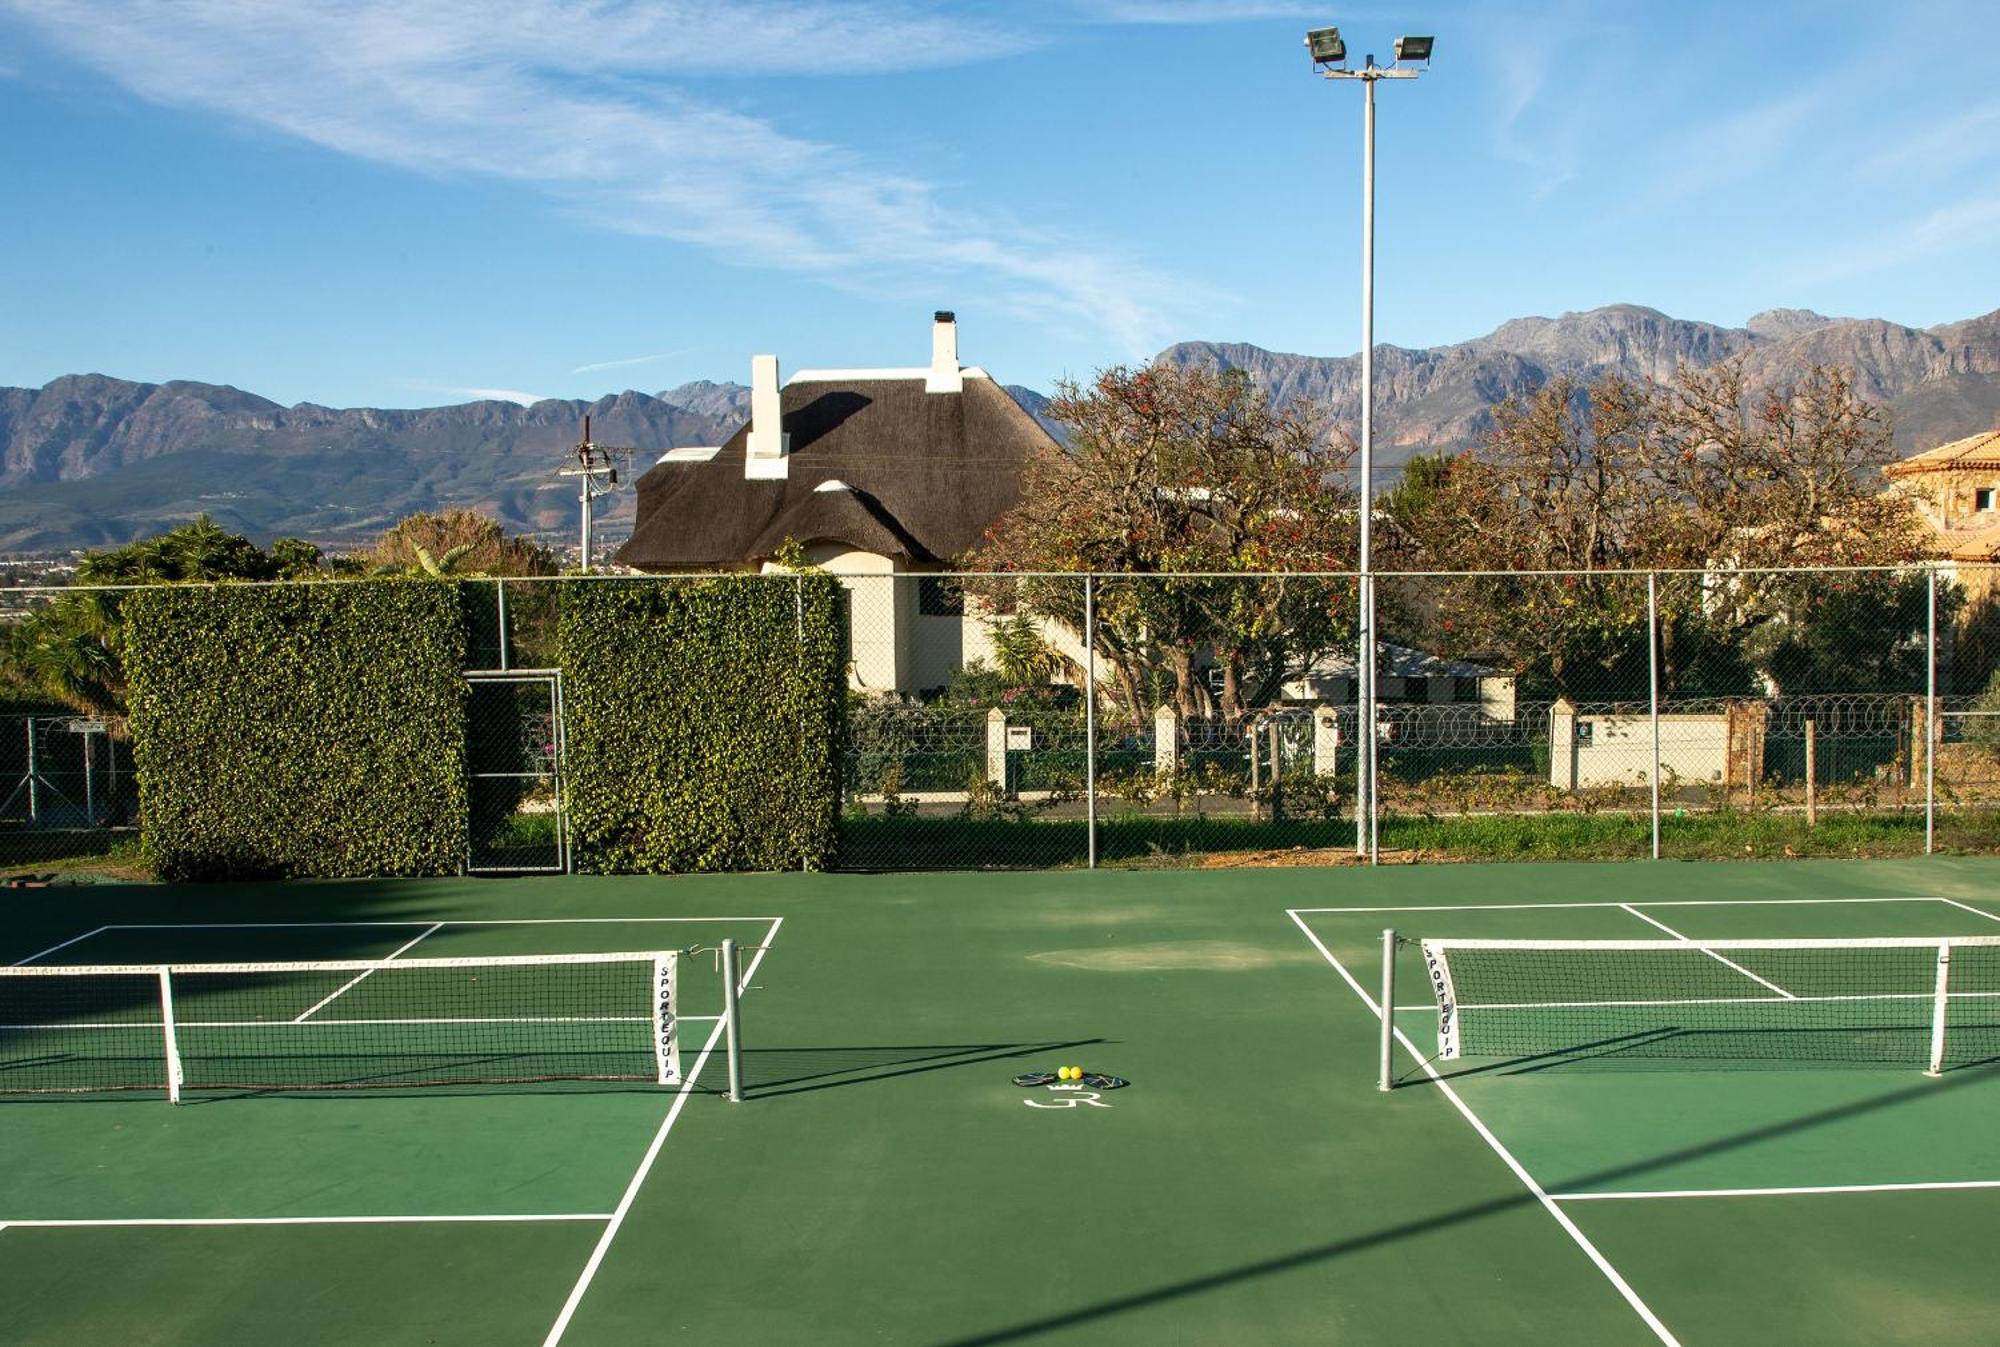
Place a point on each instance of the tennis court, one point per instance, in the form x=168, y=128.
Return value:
x=884, y=1180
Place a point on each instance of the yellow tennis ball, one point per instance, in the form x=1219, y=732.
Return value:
x=1076, y=1073
x=1062, y=1072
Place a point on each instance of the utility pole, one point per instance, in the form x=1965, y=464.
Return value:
x=598, y=475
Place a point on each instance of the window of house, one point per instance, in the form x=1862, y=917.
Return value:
x=939, y=596
x=1982, y=498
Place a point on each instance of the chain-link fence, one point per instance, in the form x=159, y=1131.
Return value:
x=1579, y=715
x=67, y=787
x=1059, y=720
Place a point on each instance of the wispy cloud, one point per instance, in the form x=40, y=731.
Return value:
x=630, y=361
x=1728, y=150
x=584, y=103
x=1968, y=138
x=1947, y=229
x=484, y=394
x=1197, y=11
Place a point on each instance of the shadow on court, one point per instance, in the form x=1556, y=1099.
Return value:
x=771, y=1072
x=1323, y=1253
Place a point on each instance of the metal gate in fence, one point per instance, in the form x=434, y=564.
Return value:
x=514, y=757
x=65, y=772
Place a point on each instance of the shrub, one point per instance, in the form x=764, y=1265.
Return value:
x=299, y=730
x=703, y=721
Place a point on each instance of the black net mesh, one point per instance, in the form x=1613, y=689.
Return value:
x=337, y=1025
x=1860, y=1002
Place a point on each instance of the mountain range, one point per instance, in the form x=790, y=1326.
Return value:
x=1938, y=384
x=89, y=460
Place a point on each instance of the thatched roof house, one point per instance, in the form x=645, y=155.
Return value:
x=880, y=475
x=911, y=466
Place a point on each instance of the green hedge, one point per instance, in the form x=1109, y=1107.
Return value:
x=702, y=722
x=309, y=730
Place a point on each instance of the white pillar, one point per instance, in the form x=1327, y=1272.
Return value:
x=1166, y=742
x=1326, y=741
x=1562, y=745
x=996, y=747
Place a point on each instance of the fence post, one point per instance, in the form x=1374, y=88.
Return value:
x=1256, y=785
x=34, y=776
x=1812, y=773
x=996, y=748
x=1277, y=772
x=1930, y=719
x=1653, y=691
x=1090, y=710
x=500, y=616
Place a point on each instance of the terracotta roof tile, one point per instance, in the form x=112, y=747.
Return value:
x=1974, y=451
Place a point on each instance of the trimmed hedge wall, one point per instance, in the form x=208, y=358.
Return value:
x=299, y=730
x=703, y=721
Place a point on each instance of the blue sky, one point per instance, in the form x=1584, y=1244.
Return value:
x=394, y=203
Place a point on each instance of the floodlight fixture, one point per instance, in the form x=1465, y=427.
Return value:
x=1414, y=49
x=1326, y=46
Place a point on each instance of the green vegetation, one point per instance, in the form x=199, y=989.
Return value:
x=1002, y=841
x=308, y=730
x=703, y=721
x=71, y=652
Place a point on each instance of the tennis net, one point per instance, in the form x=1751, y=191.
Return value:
x=1923, y=1002
x=339, y=1024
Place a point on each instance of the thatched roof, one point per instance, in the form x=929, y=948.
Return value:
x=876, y=463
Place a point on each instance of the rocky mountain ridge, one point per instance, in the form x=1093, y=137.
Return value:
x=1938, y=383
x=89, y=460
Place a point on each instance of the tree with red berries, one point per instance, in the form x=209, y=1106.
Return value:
x=1166, y=471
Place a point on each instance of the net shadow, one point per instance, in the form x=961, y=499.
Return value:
x=773, y=1072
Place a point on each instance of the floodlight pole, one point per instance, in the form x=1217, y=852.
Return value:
x=1366, y=838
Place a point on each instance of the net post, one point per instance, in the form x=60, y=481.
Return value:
x=172, y=1044
x=732, y=1021
x=1940, y=1009
x=1385, y=1064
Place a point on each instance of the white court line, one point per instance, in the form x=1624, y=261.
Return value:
x=64, y=945
x=1926, y=997
x=449, y=921
x=1657, y=902
x=1941, y=1186
x=652, y=1153
x=304, y=1220
x=358, y=979
x=1967, y=907
x=1727, y=963
x=1562, y=1219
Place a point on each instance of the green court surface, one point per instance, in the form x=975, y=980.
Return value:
x=884, y=1181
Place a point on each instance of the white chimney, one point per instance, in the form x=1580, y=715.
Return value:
x=944, y=375
x=764, y=456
